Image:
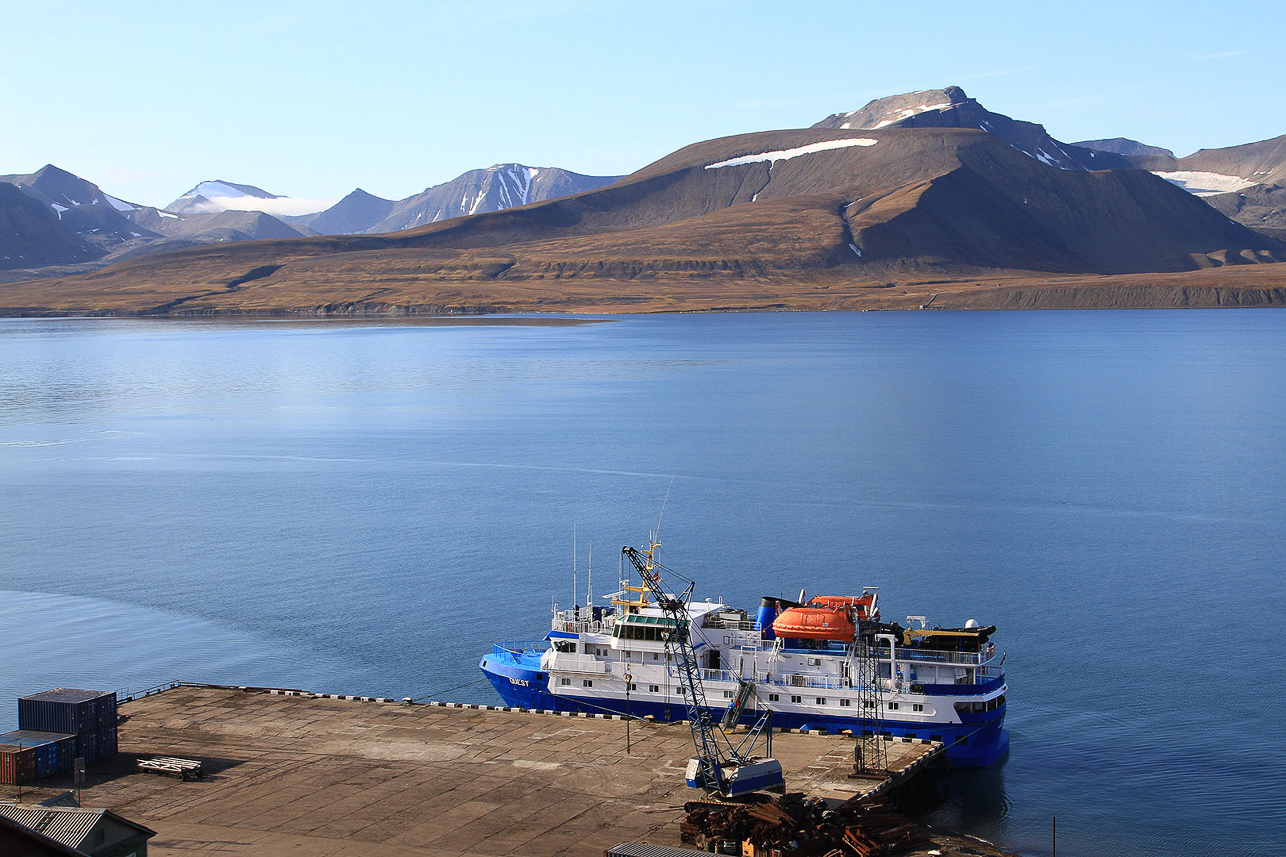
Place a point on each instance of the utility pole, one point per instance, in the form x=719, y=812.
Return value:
x=627, y=710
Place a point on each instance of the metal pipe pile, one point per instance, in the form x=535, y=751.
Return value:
x=793, y=825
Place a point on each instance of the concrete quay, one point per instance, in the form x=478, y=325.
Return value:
x=308, y=774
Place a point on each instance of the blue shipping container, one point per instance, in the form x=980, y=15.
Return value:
x=96, y=746
x=65, y=710
x=61, y=757
x=54, y=752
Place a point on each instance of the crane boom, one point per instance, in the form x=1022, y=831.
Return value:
x=710, y=771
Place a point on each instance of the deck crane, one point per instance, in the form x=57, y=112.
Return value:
x=718, y=766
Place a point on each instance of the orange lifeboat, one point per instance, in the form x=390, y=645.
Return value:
x=862, y=603
x=815, y=623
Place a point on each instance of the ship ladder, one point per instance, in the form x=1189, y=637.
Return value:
x=745, y=690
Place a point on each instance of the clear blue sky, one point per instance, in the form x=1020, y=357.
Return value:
x=312, y=99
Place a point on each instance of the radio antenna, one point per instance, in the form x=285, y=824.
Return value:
x=656, y=537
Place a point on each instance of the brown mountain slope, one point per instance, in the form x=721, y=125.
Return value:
x=716, y=224
x=1263, y=162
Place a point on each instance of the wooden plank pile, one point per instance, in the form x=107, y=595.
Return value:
x=795, y=826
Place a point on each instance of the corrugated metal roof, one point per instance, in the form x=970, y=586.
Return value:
x=642, y=849
x=69, y=826
x=26, y=834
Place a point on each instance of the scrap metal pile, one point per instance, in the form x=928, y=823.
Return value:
x=795, y=826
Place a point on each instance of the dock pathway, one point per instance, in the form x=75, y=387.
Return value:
x=325, y=777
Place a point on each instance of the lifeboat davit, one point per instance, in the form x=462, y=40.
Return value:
x=860, y=603
x=821, y=622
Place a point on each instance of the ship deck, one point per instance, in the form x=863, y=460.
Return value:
x=307, y=774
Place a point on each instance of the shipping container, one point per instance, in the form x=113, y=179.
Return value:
x=87, y=747
x=107, y=746
x=55, y=752
x=17, y=764
x=65, y=710
x=96, y=746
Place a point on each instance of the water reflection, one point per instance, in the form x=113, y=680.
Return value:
x=973, y=800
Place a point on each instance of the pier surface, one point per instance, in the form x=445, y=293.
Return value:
x=329, y=777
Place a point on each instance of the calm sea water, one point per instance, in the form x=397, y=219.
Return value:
x=364, y=508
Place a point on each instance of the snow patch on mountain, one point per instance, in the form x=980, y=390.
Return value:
x=211, y=190
x=1205, y=184
x=213, y=197
x=906, y=113
x=787, y=154
x=514, y=184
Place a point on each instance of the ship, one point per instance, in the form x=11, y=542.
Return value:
x=827, y=663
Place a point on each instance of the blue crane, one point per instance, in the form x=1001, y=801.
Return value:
x=718, y=766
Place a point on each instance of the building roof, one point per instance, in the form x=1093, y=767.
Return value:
x=69, y=826
x=42, y=844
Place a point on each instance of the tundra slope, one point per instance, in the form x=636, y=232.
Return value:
x=773, y=219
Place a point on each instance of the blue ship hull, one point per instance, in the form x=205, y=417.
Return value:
x=979, y=740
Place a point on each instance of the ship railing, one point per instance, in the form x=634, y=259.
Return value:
x=587, y=664
x=520, y=646
x=730, y=624
x=934, y=656
x=581, y=622
x=583, y=626
x=799, y=680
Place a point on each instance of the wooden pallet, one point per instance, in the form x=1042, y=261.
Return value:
x=184, y=769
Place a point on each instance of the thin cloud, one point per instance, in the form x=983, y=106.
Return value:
x=776, y=102
x=285, y=205
x=1002, y=72
x=1217, y=56
x=1070, y=102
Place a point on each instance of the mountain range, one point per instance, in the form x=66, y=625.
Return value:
x=88, y=229
x=923, y=199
